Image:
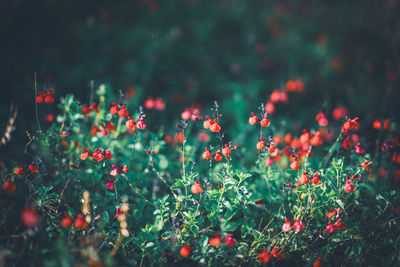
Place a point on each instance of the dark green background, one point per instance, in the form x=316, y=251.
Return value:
x=68, y=43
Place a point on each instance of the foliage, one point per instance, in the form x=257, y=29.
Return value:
x=267, y=195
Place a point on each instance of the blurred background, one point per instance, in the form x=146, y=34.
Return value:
x=197, y=51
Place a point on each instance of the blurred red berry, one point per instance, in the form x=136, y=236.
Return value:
x=263, y=257
x=229, y=240
x=185, y=251
x=30, y=217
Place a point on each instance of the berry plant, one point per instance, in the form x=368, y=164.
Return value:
x=114, y=182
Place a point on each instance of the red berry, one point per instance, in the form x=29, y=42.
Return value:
x=304, y=179
x=196, y=188
x=254, y=119
x=349, y=187
x=261, y=144
x=130, y=124
x=149, y=103
x=9, y=186
x=206, y=154
x=80, y=222
x=263, y=257
x=230, y=241
x=330, y=228
x=108, y=154
x=286, y=226
x=215, y=241
x=186, y=114
x=66, y=221
x=123, y=112
x=215, y=127
x=49, y=99
x=39, y=99
x=265, y=122
x=218, y=156
x=315, y=179
x=141, y=125
x=185, y=251
x=295, y=165
x=298, y=225
x=226, y=151
x=30, y=217
x=125, y=169
x=19, y=171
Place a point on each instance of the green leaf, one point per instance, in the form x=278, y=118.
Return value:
x=178, y=184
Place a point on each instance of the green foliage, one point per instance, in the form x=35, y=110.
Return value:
x=240, y=196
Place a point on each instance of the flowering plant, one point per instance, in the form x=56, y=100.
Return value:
x=111, y=184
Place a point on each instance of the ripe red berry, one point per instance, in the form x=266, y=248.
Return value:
x=215, y=241
x=39, y=98
x=339, y=112
x=286, y=226
x=377, y=124
x=85, y=155
x=215, y=127
x=218, y=156
x=186, y=114
x=196, y=188
x=321, y=118
x=49, y=117
x=149, y=103
x=123, y=112
x=30, y=217
x=115, y=171
x=66, y=221
x=271, y=148
x=263, y=257
x=315, y=179
x=125, y=169
x=304, y=179
x=253, y=119
x=33, y=168
x=206, y=124
x=295, y=165
x=270, y=107
x=97, y=155
x=9, y=186
x=49, y=99
x=114, y=108
x=107, y=154
x=298, y=225
x=350, y=124
x=229, y=240
x=141, y=125
x=358, y=149
x=349, y=187
x=80, y=222
x=185, y=251
x=330, y=228
x=338, y=225
x=316, y=140
x=130, y=124
x=19, y=171
x=318, y=262
x=226, y=151
x=261, y=144
x=94, y=131
x=206, y=154
x=265, y=122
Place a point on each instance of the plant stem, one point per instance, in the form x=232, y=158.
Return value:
x=36, y=106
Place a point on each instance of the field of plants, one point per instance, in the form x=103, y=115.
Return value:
x=200, y=133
